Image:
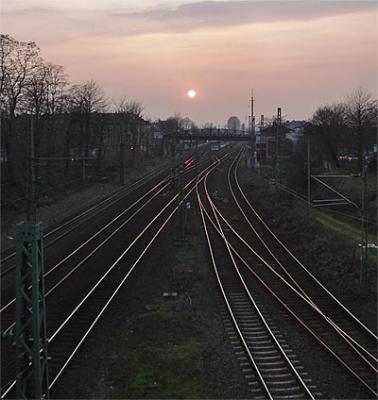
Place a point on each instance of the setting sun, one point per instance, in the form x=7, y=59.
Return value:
x=192, y=93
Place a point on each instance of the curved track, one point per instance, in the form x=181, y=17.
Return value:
x=312, y=305
x=353, y=343
x=275, y=371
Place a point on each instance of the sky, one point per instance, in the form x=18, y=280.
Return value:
x=296, y=55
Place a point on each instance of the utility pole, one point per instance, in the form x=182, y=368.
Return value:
x=121, y=159
x=180, y=199
x=308, y=173
x=364, y=229
x=32, y=380
x=84, y=173
x=262, y=146
x=253, y=135
x=278, y=145
x=30, y=181
x=173, y=157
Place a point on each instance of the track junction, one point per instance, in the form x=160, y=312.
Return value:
x=90, y=257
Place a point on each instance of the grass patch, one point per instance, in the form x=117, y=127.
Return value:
x=151, y=382
x=185, y=254
x=344, y=229
x=157, y=358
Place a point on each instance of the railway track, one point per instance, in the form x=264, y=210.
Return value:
x=75, y=265
x=58, y=268
x=271, y=369
x=71, y=323
x=340, y=333
x=60, y=231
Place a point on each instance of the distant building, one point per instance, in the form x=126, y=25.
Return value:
x=295, y=130
x=233, y=123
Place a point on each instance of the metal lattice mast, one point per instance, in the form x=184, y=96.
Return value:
x=31, y=337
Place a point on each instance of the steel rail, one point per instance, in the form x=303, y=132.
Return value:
x=86, y=258
x=259, y=237
x=248, y=351
x=113, y=198
x=346, y=310
x=305, y=326
x=10, y=328
x=83, y=244
x=350, y=340
x=281, y=351
x=11, y=386
x=309, y=300
x=90, y=212
x=122, y=281
x=291, y=312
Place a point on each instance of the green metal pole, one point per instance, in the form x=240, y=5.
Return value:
x=31, y=207
x=32, y=381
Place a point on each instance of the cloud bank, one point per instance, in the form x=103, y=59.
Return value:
x=186, y=17
x=219, y=14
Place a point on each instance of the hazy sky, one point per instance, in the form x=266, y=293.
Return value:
x=294, y=54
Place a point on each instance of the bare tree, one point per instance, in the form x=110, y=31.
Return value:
x=361, y=117
x=56, y=93
x=132, y=112
x=187, y=124
x=85, y=100
x=329, y=128
x=55, y=104
x=88, y=98
x=129, y=107
x=209, y=125
x=18, y=60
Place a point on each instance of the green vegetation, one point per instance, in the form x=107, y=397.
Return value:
x=328, y=245
x=149, y=379
x=160, y=354
x=156, y=359
x=347, y=231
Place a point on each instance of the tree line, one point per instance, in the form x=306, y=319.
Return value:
x=70, y=121
x=346, y=128
x=78, y=121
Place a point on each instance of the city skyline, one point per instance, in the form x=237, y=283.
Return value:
x=295, y=54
